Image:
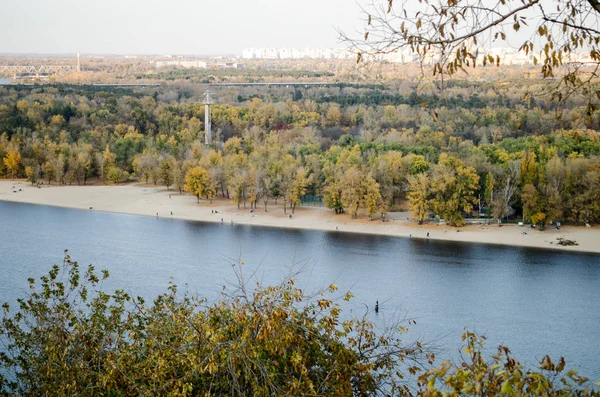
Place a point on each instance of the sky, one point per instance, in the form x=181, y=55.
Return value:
x=202, y=27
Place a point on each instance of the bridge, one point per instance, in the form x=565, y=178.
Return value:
x=37, y=71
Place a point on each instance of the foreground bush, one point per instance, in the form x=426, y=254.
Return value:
x=70, y=338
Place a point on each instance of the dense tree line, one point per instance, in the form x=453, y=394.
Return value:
x=444, y=162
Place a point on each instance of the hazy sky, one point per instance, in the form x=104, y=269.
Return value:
x=172, y=26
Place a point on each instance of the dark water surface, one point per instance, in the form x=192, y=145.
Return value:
x=535, y=301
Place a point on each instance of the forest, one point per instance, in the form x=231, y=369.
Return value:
x=488, y=148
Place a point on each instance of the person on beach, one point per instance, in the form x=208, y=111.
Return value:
x=427, y=234
x=376, y=306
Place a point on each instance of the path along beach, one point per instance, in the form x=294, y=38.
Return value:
x=150, y=200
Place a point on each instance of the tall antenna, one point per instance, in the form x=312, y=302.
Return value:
x=207, y=118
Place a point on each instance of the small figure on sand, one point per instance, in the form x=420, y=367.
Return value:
x=221, y=220
x=427, y=234
x=290, y=216
x=157, y=214
x=376, y=306
x=171, y=212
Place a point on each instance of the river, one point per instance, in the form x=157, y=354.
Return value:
x=535, y=301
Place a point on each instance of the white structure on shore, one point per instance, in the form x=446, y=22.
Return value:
x=207, y=118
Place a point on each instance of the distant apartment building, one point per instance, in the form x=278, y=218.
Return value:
x=184, y=64
x=197, y=64
x=508, y=56
x=295, y=53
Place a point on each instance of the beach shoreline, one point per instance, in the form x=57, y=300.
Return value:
x=150, y=200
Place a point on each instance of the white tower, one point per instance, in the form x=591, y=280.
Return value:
x=78, y=63
x=207, y=118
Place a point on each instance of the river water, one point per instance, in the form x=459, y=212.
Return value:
x=535, y=301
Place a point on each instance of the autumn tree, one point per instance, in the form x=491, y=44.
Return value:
x=503, y=375
x=451, y=35
x=239, y=186
x=59, y=167
x=389, y=171
x=510, y=180
x=336, y=171
x=540, y=204
x=582, y=190
x=145, y=163
x=372, y=197
x=453, y=187
x=48, y=170
x=70, y=336
x=287, y=186
x=197, y=182
x=165, y=173
x=115, y=174
x=419, y=195
x=299, y=186
x=12, y=160
x=32, y=173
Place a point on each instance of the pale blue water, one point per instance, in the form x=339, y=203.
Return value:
x=535, y=301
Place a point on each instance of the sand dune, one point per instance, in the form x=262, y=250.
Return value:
x=150, y=200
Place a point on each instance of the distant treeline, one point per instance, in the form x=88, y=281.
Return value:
x=520, y=160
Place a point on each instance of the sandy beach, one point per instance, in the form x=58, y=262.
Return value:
x=150, y=200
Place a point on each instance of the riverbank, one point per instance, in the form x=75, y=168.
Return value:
x=150, y=200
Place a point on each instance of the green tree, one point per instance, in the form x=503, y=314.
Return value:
x=372, y=197
x=48, y=170
x=165, y=173
x=419, y=195
x=115, y=175
x=299, y=186
x=540, y=205
x=32, y=174
x=453, y=187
